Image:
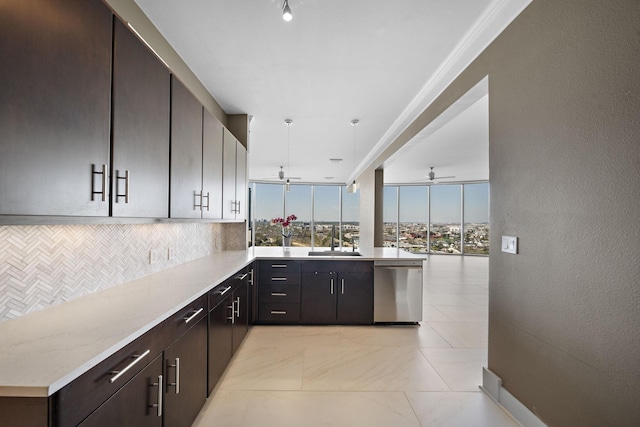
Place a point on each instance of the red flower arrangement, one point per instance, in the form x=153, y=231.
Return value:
x=285, y=222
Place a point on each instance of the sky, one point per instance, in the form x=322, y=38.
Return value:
x=445, y=203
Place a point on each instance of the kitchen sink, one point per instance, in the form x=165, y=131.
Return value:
x=333, y=253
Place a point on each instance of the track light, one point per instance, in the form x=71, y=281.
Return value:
x=286, y=11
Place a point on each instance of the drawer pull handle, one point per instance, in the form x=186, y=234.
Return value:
x=239, y=277
x=193, y=316
x=342, y=286
x=331, y=286
x=278, y=279
x=118, y=374
x=278, y=294
x=225, y=291
x=278, y=312
x=237, y=310
x=278, y=265
x=232, y=307
x=158, y=405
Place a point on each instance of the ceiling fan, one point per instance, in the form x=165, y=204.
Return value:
x=431, y=177
x=281, y=176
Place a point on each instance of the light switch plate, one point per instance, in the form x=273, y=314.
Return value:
x=510, y=244
x=153, y=257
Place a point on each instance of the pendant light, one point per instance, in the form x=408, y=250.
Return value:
x=353, y=187
x=288, y=122
x=286, y=11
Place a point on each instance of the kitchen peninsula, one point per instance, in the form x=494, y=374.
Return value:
x=45, y=353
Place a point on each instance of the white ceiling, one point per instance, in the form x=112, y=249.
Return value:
x=381, y=62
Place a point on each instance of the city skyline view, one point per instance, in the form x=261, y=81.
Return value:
x=414, y=220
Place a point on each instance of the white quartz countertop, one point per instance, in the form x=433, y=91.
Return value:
x=43, y=351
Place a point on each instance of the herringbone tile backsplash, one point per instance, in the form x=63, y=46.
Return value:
x=45, y=265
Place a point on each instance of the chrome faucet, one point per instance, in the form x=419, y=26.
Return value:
x=333, y=234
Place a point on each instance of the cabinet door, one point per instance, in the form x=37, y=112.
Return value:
x=241, y=314
x=355, y=298
x=135, y=404
x=55, y=85
x=140, y=129
x=185, y=368
x=318, y=298
x=212, y=131
x=186, y=153
x=241, y=180
x=220, y=340
x=229, y=200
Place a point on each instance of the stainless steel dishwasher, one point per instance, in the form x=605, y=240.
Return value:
x=397, y=291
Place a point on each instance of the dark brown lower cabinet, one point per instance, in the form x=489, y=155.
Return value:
x=240, y=320
x=336, y=292
x=318, y=302
x=185, y=373
x=137, y=404
x=220, y=339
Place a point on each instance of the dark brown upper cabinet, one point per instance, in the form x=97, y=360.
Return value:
x=196, y=157
x=186, y=153
x=212, y=166
x=234, y=180
x=55, y=83
x=140, y=138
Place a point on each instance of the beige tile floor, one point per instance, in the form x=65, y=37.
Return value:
x=395, y=376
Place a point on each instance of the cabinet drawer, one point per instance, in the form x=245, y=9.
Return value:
x=280, y=277
x=279, y=312
x=82, y=396
x=180, y=322
x=220, y=293
x=279, y=293
x=279, y=267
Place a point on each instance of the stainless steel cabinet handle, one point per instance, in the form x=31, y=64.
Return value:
x=190, y=318
x=239, y=277
x=342, y=284
x=278, y=312
x=103, y=189
x=237, y=210
x=331, y=286
x=126, y=178
x=201, y=200
x=225, y=291
x=195, y=200
x=237, y=310
x=278, y=294
x=118, y=374
x=278, y=279
x=251, y=277
x=278, y=265
x=158, y=405
x=232, y=307
x=177, y=383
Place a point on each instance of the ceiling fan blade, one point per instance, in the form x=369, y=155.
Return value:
x=443, y=177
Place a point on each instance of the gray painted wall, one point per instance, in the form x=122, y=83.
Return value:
x=564, y=126
x=564, y=113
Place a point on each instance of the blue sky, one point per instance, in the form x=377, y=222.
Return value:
x=445, y=203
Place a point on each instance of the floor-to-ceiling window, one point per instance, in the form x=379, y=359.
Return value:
x=267, y=204
x=390, y=216
x=326, y=215
x=476, y=218
x=446, y=219
x=414, y=218
x=318, y=208
x=297, y=201
x=442, y=219
x=350, y=218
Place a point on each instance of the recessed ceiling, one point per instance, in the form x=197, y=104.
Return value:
x=381, y=62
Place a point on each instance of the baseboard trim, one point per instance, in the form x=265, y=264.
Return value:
x=492, y=386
